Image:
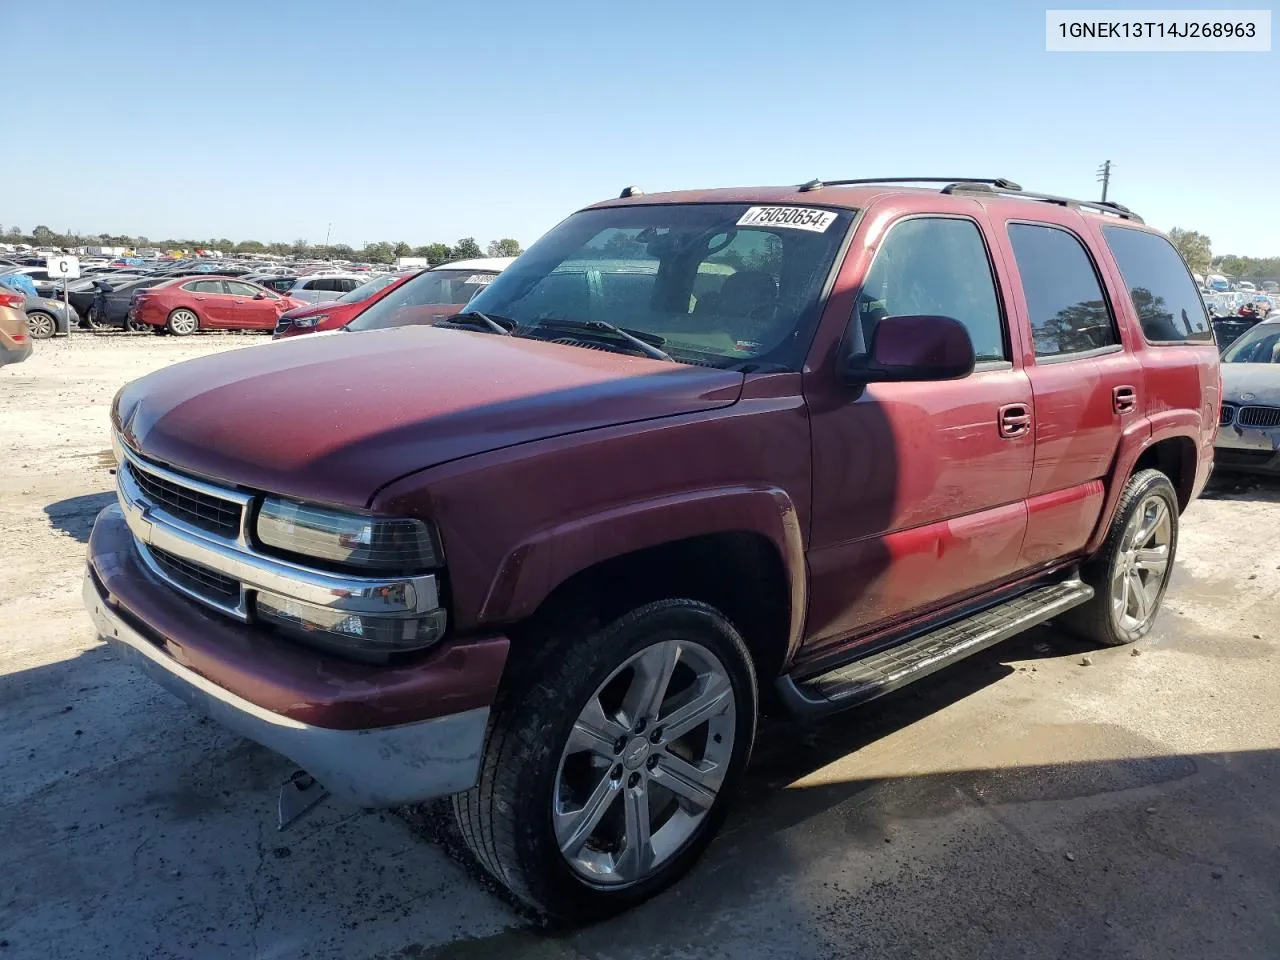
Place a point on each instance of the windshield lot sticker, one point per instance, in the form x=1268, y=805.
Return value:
x=480, y=279
x=797, y=218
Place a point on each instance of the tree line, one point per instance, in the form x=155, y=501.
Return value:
x=382, y=251
x=1197, y=249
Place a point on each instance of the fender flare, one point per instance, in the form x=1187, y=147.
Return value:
x=550, y=556
x=1140, y=437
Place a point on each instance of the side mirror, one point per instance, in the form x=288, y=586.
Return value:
x=259, y=295
x=918, y=349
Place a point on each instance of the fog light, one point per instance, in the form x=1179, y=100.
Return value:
x=354, y=634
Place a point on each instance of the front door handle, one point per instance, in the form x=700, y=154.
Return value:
x=1124, y=399
x=1015, y=420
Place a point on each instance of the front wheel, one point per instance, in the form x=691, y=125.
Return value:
x=41, y=325
x=183, y=322
x=1130, y=573
x=609, y=766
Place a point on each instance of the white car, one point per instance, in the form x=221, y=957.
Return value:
x=322, y=287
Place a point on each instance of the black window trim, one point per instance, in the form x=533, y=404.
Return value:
x=1117, y=347
x=982, y=366
x=1211, y=341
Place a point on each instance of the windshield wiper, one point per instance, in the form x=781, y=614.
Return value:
x=474, y=318
x=648, y=349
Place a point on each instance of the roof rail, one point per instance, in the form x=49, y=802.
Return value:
x=999, y=182
x=1103, y=206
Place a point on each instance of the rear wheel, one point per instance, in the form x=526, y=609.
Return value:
x=92, y=317
x=609, y=765
x=41, y=325
x=1130, y=573
x=183, y=322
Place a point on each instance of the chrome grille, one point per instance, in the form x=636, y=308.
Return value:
x=202, y=581
x=1226, y=415
x=1259, y=417
x=191, y=506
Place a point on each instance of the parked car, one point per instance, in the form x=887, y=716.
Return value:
x=1249, y=431
x=47, y=318
x=553, y=557
x=15, y=338
x=280, y=283
x=337, y=313
x=432, y=295
x=44, y=282
x=111, y=302
x=208, y=303
x=323, y=287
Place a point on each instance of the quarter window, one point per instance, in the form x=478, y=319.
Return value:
x=1163, y=292
x=1065, y=303
x=934, y=266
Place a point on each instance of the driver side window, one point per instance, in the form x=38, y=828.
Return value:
x=936, y=266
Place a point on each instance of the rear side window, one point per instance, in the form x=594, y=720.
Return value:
x=1163, y=293
x=204, y=286
x=1065, y=302
x=936, y=266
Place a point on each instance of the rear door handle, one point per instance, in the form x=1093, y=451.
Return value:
x=1124, y=399
x=1014, y=420
x=202, y=298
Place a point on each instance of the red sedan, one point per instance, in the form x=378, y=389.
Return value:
x=188, y=304
x=335, y=313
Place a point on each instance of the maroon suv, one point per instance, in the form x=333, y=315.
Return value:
x=692, y=456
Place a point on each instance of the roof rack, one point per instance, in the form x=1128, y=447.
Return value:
x=1103, y=206
x=1000, y=182
x=999, y=186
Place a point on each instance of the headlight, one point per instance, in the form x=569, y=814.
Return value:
x=360, y=635
x=306, y=323
x=351, y=539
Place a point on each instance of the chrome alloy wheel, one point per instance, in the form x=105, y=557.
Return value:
x=183, y=322
x=644, y=763
x=1142, y=565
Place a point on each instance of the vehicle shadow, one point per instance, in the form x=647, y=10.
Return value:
x=74, y=516
x=1242, y=486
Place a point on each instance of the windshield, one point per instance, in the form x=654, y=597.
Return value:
x=715, y=284
x=1259, y=345
x=367, y=289
x=426, y=298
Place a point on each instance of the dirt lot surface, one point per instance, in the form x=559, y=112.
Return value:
x=1042, y=800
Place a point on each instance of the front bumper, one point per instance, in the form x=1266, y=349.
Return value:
x=375, y=736
x=1245, y=449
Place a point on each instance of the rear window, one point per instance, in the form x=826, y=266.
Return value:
x=1163, y=292
x=367, y=290
x=1067, y=308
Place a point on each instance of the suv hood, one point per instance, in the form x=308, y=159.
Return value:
x=1260, y=379
x=333, y=419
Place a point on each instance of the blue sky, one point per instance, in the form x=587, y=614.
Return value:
x=431, y=121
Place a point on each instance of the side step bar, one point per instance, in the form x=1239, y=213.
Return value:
x=887, y=669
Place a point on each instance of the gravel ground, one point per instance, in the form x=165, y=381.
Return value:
x=1042, y=799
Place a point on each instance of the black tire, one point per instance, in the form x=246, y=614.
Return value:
x=506, y=819
x=91, y=318
x=1098, y=620
x=159, y=331
x=42, y=325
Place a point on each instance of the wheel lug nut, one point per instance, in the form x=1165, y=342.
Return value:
x=656, y=736
x=652, y=762
x=640, y=725
x=619, y=745
x=616, y=773
x=633, y=780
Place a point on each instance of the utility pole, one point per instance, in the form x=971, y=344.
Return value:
x=326, y=234
x=1104, y=176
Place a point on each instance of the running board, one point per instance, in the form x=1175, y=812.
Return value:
x=887, y=669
